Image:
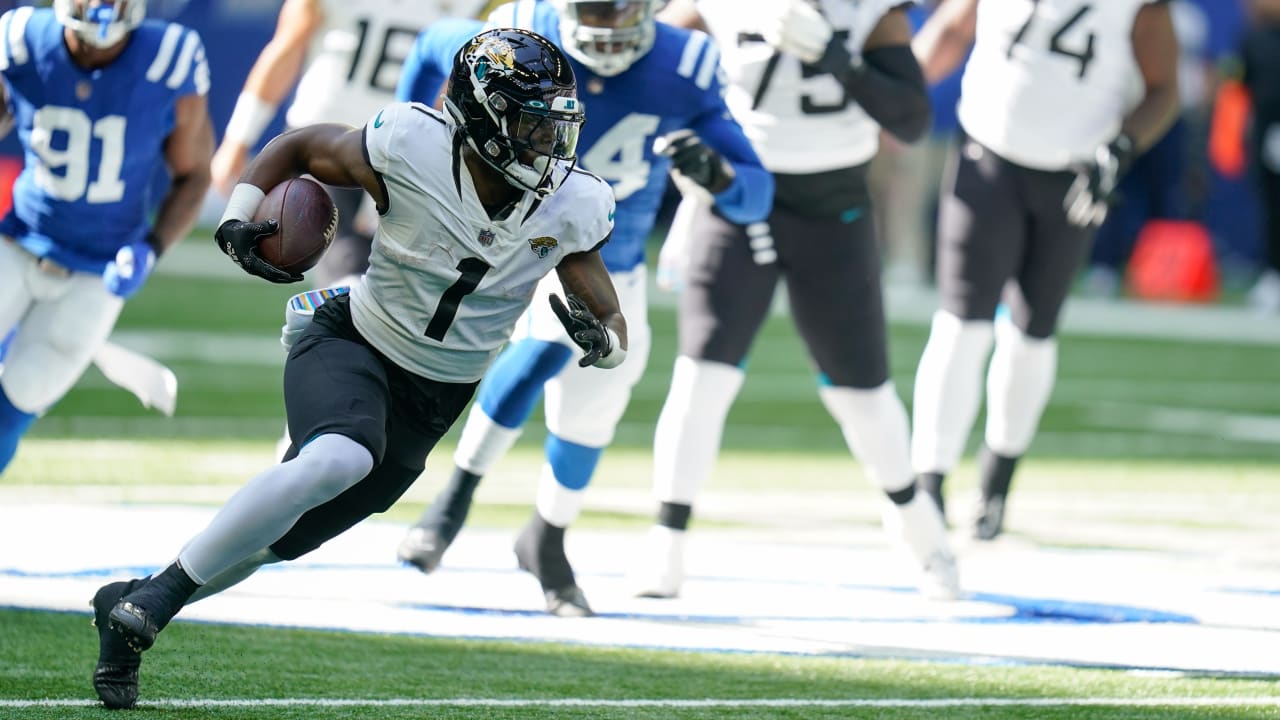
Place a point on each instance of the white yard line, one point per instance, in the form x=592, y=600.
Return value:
x=1263, y=701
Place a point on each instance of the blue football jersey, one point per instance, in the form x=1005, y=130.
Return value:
x=676, y=85
x=93, y=139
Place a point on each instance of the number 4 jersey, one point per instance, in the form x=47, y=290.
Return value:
x=93, y=139
x=1050, y=80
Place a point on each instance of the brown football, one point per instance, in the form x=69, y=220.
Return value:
x=308, y=221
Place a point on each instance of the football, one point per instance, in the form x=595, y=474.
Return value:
x=308, y=221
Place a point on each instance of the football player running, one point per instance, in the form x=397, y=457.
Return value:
x=814, y=83
x=102, y=99
x=476, y=206
x=644, y=80
x=1058, y=98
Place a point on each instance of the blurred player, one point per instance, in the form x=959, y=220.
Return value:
x=102, y=99
x=813, y=84
x=353, y=53
x=476, y=207
x=644, y=81
x=1057, y=99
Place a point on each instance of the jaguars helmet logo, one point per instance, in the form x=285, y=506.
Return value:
x=491, y=56
x=542, y=246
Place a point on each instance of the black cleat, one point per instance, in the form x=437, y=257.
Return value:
x=143, y=613
x=989, y=522
x=540, y=552
x=115, y=677
x=422, y=548
x=134, y=624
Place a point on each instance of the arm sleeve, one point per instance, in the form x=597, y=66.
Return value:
x=749, y=198
x=890, y=87
x=190, y=72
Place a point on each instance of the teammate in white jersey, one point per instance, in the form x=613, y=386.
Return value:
x=812, y=84
x=1056, y=101
x=352, y=53
x=476, y=207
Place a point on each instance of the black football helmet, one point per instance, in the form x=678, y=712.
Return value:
x=608, y=36
x=515, y=101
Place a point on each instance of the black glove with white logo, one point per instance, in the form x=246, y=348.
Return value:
x=239, y=240
x=693, y=159
x=1094, y=189
x=587, y=332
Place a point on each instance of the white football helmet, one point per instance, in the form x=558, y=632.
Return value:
x=607, y=36
x=100, y=23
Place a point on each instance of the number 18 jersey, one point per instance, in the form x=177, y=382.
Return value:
x=1050, y=80
x=355, y=59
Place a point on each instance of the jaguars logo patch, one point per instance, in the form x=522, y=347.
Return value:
x=542, y=246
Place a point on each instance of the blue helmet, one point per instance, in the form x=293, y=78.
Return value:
x=100, y=23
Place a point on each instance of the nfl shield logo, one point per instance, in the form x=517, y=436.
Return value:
x=486, y=237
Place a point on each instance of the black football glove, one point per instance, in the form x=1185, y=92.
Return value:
x=584, y=329
x=239, y=240
x=1094, y=189
x=695, y=160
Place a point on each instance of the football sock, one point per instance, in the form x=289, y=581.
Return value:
x=930, y=483
x=564, y=477
x=262, y=511
x=1019, y=383
x=674, y=515
x=234, y=575
x=875, y=427
x=13, y=425
x=995, y=472
x=687, y=437
x=448, y=512
x=947, y=391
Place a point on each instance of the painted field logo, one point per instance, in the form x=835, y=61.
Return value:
x=486, y=237
x=542, y=246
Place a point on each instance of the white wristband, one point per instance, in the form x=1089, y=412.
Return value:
x=251, y=116
x=615, y=356
x=243, y=203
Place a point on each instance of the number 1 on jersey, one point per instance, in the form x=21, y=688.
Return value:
x=473, y=270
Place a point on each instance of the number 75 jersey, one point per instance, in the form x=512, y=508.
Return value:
x=93, y=140
x=1050, y=80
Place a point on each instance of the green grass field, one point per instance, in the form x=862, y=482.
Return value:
x=1190, y=424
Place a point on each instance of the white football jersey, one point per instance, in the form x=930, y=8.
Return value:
x=1050, y=80
x=798, y=121
x=354, y=61
x=445, y=283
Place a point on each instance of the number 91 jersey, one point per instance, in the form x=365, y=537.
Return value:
x=1050, y=80
x=93, y=140
x=355, y=58
x=799, y=120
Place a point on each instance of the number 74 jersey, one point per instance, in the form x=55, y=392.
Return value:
x=1050, y=80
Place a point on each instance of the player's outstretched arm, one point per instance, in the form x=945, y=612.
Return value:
x=270, y=79
x=742, y=187
x=1155, y=47
x=944, y=41
x=591, y=312
x=187, y=151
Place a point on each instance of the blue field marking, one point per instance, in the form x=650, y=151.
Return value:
x=1038, y=610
